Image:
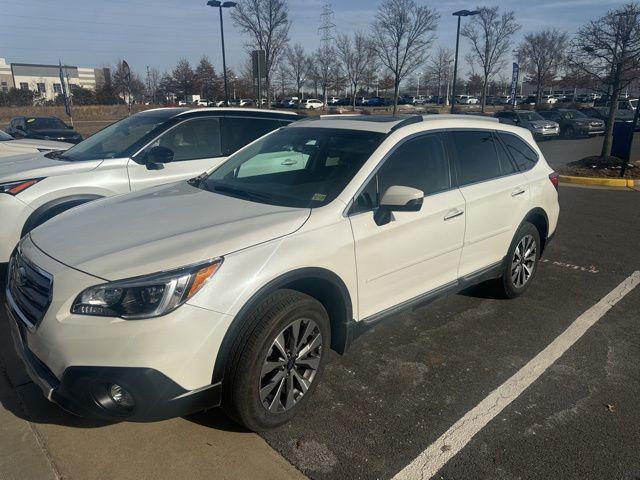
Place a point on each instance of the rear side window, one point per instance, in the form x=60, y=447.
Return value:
x=238, y=132
x=193, y=139
x=476, y=155
x=523, y=155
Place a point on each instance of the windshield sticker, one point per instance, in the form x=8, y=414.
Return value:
x=318, y=197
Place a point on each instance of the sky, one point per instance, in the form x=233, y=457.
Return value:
x=91, y=33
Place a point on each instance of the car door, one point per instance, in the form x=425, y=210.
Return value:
x=416, y=252
x=496, y=197
x=196, y=147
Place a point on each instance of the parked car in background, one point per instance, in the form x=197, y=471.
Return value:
x=231, y=289
x=574, y=123
x=10, y=146
x=532, y=121
x=43, y=128
x=333, y=100
x=146, y=149
x=602, y=113
x=202, y=102
x=467, y=100
x=548, y=99
x=376, y=102
x=312, y=104
x=247, y=102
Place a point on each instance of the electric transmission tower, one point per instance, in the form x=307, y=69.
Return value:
x=326, y=52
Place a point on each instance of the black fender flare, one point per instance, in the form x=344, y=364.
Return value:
x=538, y=212
x=54, y=207
x=341, y=324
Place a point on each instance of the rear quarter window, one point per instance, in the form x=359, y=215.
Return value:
x=522, y=154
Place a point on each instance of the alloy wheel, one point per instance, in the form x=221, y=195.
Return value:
x=290, y=365
x=524, y=259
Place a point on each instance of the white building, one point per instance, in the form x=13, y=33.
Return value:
x=45, y=79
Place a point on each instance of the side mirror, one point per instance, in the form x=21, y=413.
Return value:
x=157, y=157
x=398, y=198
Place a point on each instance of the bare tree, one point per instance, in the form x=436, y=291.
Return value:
x=323, y=68
x=490, y=36
x=608, y=51
x=356, y=55
x=298, y=66
x=401, y=34
x=153, y=84
x=439, y=67
x=267, y=23
x=543, y=53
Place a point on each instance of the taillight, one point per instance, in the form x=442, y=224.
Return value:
x=555, y=179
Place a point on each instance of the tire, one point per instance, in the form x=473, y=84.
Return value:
x=260, y=374
x=518, y=274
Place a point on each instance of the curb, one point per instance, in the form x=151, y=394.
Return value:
x=605, y=182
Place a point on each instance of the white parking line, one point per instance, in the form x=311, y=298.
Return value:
x=453, y=440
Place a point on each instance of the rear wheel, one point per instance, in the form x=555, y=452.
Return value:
x=522, y=261
x=277, y=361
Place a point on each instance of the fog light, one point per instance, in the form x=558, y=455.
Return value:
x=121, y=397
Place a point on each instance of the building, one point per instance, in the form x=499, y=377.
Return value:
x=45, y=79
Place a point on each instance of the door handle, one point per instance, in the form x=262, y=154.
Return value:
x=456, y=212
x=288, y=162
x=518, y=191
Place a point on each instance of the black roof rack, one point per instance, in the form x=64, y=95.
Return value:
x=407, y=121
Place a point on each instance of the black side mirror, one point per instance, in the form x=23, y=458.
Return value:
x=157, y=157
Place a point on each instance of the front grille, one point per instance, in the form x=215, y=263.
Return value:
x=29, y=289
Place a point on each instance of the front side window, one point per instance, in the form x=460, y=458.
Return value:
x=420, y=162
x=477, y=156
x=295, y=167
x=45, y=123
x=191, y=140
x=523, y=155
x=238, y=131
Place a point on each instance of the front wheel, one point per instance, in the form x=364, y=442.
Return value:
x=522, y=261
x=277, y=361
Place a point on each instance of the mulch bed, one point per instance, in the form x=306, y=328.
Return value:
x=600, y=168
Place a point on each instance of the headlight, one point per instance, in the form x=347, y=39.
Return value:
x=145, y=297
x=14, y=188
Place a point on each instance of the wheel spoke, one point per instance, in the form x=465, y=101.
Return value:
x=303, y=382
x=307, y=331
x=311, y=346
x=270, y=365
x=279, y=343
x=290, y=391
x=273, y=383
x=273, y=407
x=293, y=338
x=311, y=362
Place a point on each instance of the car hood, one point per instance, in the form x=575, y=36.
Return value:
x=160, y=228
x=37, y=165
x=42, y=144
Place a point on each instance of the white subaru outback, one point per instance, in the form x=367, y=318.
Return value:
x=147, y=149
x=231, y=288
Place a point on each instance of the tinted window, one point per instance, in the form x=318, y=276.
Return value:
x=506, y=165
x=476, y=155
x=418, y=163
x=238, y=131
x=523, y=155
x=193, y=139
x=296, y=167
x=44, y=123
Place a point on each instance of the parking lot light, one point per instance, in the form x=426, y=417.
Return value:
x=459, y=14
x=221, y=5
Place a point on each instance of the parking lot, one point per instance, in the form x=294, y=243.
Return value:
x=407, y=382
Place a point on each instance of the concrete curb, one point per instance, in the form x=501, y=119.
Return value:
x=604, y=182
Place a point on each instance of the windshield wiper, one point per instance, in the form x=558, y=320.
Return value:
x=197, y=181
x=259, y=197
x=56, y=154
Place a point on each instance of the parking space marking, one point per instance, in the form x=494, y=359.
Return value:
x=459, y=434
x=589, y=269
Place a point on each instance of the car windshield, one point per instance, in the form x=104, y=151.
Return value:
x=45, y=123
x=531, y=116
x=5, y=136
x=115, y=140
x=295, y=167
x=573, y=114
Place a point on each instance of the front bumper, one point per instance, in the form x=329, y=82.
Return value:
x=13, y=215
x=81, y=389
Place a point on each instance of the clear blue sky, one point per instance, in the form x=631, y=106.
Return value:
x=144, y=32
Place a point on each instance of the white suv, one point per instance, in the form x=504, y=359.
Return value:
x=147, y=149
x=231, y=288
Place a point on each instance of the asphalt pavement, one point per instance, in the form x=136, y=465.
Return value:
x=559, y=152
x=404, y=384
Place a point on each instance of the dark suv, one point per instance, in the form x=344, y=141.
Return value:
x=43, y=128
x=574, y=123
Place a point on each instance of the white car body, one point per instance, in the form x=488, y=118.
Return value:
x=27, y=145
x=312, y=104
x=467, y=100
x=74, y=182
x=458, y=236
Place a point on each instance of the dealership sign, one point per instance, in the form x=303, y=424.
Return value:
x=514, y=82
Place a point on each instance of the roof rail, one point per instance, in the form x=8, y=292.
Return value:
x=407, y=121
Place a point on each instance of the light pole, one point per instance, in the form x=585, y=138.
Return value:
x=221, y=5
x=459, y=14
